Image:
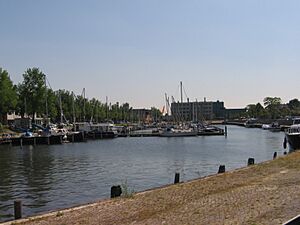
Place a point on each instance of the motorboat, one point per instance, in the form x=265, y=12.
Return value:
x=173, y=132
x=292, y=135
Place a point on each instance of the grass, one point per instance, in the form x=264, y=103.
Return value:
x=126, y=191
x=59, y=213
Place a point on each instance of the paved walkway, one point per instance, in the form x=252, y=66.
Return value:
x=267, y=193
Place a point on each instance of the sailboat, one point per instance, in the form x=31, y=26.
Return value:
x=179, y=131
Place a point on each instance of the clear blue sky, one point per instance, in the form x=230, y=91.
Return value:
x=237, y=51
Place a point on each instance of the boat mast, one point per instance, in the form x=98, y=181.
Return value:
x=46, y=99
x=61, y=111
x=73, y=108
x=181, y=100
x=106, y=108
x=83, y=104
x=181, y=92
x=167, y=106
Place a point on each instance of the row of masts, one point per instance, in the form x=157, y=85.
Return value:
x=62, y=117
x=168, y=105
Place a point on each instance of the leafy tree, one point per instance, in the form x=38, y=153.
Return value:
x=294, y=106
x=271, y=101
x=272, y=105
x=33, y=89
x=251, y=110
x=155, y=114
x=294, y=103
x=8, y=95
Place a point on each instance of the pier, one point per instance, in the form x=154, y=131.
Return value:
x=266, y=193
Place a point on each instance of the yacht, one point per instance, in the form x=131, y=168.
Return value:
x=172, y=132
x=292, y=135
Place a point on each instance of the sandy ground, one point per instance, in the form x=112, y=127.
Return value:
x=267, y=193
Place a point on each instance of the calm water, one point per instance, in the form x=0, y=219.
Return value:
x=60, y=176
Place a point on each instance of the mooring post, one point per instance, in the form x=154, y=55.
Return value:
x=177, y=176
x=48, y=140
x=61, y=139
x=34, y=141
x=115, y=191
x=18, y=209
x=221, y=169
x=250, y=161
x=73, y=137
x=275, y=155
x=225, y=131
x=21, y=142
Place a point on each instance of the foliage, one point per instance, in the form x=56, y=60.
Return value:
x=256, y=111
x=8, y=95
x=126, y=191
x=33, y=90
x=271, y=101
x=294, y=106
x=273, y=104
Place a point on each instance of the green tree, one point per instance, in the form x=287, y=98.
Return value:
x=33, y=90
x=272, y=105
x=155, y=114
x=294, y=106
x=8, y=95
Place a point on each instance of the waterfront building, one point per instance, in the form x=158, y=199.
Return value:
x=195, y=111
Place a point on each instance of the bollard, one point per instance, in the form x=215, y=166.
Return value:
x=176, y=180
x=275, y=155
x=284, y=143
x=225, y=131
x=34, y=141
x=221, y=169
x=250, y=161
x=21, y=143
x=18, y=209
x=284, y=152
x=48, y=140
x=73, y=137
x=115, y=191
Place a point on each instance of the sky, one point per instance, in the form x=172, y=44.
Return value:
x=136, y=51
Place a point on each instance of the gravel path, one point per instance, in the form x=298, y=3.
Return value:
x=267, y=193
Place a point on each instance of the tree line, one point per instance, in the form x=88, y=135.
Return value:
x=273, y=108
x=33, y=97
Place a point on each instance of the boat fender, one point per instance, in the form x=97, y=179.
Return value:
x=284, y=143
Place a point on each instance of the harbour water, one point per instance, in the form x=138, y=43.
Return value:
x=53, y=177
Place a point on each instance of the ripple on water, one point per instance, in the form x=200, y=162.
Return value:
x=60, y=176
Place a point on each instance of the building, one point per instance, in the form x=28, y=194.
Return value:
x=195, y=111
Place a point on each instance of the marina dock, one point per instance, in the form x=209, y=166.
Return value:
x=266, y=193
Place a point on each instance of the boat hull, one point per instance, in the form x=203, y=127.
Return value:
x=293, y=141
x=101, y=135
x=178, y=134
